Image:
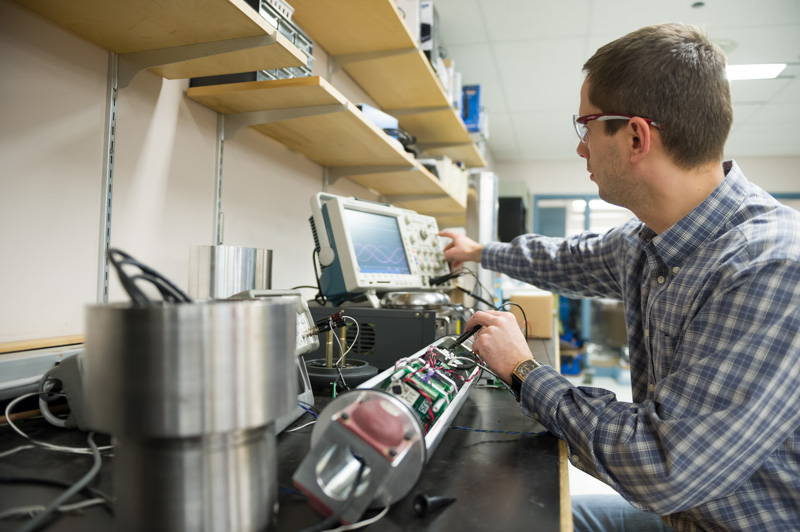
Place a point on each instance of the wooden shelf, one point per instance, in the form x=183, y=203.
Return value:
x=374, y=46
x=340, y=137
x=147, y=25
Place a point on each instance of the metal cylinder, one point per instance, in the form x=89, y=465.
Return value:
x=218, y=272
x=191, y=392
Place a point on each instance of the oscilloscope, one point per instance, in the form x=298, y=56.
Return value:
x=368, y=248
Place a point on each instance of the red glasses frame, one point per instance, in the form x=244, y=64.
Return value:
x=581, y=121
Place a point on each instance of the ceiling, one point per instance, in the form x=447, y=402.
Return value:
x=527, y=55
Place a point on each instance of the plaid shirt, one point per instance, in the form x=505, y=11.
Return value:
x=712, y=306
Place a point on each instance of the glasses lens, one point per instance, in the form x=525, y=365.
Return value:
x=580, y=129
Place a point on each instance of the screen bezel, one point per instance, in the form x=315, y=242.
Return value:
x=345, y=250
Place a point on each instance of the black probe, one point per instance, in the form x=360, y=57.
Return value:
x=460, y=340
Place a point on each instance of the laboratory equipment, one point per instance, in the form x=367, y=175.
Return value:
x=369, y=445
x=304, y=343
x=218, y=272
x=369, y=248
x=191, y=392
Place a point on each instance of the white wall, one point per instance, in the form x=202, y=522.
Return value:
x=52, y=104
x=775, y=175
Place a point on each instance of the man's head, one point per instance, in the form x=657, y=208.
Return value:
x=672, y=74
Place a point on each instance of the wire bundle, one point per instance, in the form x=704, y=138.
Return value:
x=168, y=290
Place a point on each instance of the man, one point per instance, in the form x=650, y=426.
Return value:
x=709, y=275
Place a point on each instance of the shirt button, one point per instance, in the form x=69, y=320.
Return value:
x=652, y=387
x=576, y=458
x=675, y=269
x=536, y=417
x=661, y=279
x=647, y=334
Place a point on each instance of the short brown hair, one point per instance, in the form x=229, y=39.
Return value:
x=673, y=74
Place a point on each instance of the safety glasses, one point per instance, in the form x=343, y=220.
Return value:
x=581, y=121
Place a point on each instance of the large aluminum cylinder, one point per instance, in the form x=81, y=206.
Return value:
x=191, y=392
x=218, y=272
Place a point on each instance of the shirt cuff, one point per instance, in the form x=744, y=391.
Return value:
x=540, y=397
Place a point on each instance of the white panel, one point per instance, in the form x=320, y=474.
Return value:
x=523, y=20
x=756, y=90
x=542, y=74
x=545, y=135
x=621, y=16
x=775, y=43
x=784, y=114
x=462, y=22
x=790, y=93
x=743, y=113
x=762, y=140
x=503, y=138
x=478, y=67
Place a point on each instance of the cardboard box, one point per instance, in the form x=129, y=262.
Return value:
x=538, y=307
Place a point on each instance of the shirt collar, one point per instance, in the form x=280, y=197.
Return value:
x=681, y=240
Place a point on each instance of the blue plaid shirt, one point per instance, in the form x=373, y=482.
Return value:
x=712, y=306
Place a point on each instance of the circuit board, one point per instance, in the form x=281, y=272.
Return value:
x=427, y=384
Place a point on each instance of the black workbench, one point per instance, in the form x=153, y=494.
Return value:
x=501, y=481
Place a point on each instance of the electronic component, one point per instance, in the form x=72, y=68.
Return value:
x=306, y=342
x=366, y=248
x=369, y=445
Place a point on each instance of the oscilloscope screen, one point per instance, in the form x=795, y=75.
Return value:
x=377, y=242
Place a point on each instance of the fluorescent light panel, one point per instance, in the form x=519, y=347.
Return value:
x=763, y=71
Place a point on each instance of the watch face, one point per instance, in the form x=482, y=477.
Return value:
x=524, y=368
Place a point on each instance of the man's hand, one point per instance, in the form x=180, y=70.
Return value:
x=499, y=342
x=461, y=249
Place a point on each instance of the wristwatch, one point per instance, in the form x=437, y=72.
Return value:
x=520, y=372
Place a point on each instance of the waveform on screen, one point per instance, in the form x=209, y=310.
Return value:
x=381, y=254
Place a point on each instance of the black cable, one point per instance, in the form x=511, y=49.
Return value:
x=320, y=297
x=405, y=138
x=524, y=317
x=87, y=491
x=476, y=296
x=309, y=406
x=478, y=284
x=168, y=290
x=303, y=286
x=334, y=517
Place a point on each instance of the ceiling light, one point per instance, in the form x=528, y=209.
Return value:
x=764, y=71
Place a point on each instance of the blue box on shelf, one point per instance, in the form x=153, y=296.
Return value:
x=471, y=107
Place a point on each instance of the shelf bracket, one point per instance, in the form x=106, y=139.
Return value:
x=338, y=61
x=132, y=63
x=217, y=235
x=337, y=172
x=109, y=140
x=236, y=121
x=399, y=113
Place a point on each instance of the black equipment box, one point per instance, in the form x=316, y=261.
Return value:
x=385, y=335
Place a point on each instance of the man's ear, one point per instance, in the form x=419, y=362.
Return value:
x=640, y=138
